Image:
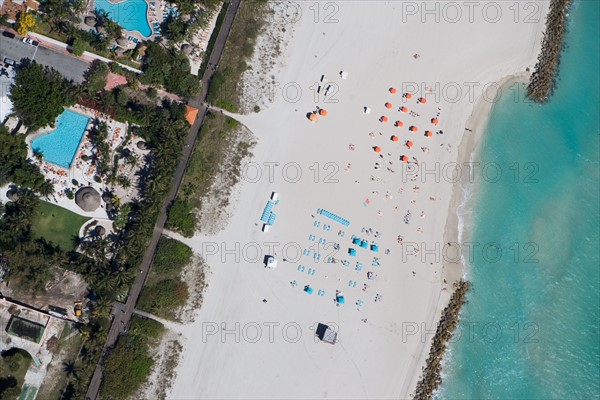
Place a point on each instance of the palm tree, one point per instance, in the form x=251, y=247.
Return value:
x=71, y=369
x=116, y=201
x=46, y=188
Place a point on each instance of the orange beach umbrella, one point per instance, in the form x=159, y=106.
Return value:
x=428, y=133
x=399, y=124
x=413, y=128
x=313, y=117
x=403, y=109
x=323, y=112
x=409, y=144
x=377, y=149
x=383, y=118
x=434, y=121
x=422, y=100
x=388, y=105
x=394, y=138
x=404, y=158
x=393, y=90
x=408, y=95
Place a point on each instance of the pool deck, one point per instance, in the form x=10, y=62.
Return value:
x=80, y=170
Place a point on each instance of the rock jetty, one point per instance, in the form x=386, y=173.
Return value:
x=431, y=378
x=543, y=80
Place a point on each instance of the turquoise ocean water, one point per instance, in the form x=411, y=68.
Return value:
x=530, y=329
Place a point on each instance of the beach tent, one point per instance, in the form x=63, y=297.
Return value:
x=403, y=109
x=340, y=298
x=191, y=114
x=383, y=118
x=356, y=241
x=323, y=112
x=374, y=248
x=367, y=110
x=428, y=133
x=344, y=75
x=392, y=90
x=399, y=124
x=352, y=252
x=409, y=144
x=434, y=121
x=408, y=95
x=377, y=149
x=388, y=105
x=394, y=138
x=326, y=334
x=308, y=289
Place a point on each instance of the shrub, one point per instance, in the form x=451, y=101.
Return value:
x=181, y=218
x=172, y=255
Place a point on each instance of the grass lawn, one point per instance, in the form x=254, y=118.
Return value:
x=13, y=367
x=56, y=225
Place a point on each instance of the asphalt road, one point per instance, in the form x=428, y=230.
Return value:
x=70, y=67
x=123, y=312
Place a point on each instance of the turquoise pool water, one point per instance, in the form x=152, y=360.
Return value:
x=531, y=329
x=60, y=145
x=132, y=15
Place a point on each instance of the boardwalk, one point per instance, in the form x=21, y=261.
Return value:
x=123, y=315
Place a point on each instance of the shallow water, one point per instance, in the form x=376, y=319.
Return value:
x=530, y=328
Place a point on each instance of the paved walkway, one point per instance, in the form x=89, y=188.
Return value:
x=122, y=319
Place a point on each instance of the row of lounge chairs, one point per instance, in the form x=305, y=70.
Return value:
x=334, y=217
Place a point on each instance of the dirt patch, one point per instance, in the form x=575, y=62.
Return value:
x=196, y=274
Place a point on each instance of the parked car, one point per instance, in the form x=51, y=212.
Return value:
x=30, y=41
x=10, y=62
x=8, y=34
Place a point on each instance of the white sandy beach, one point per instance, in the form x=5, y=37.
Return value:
x=382, y=357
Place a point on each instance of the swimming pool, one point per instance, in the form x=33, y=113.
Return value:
x=60, y=145
x=132, y=15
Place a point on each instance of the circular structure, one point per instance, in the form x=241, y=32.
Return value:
x=100, y=231
x=141, y=145
x=88, y=199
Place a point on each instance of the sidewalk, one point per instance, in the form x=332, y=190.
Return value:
x=58, y=46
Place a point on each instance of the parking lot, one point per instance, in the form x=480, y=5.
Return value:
x=70, y=67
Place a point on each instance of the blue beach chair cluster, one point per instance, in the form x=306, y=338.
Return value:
x=268, y=216
x=334, y=217
x=267, y=212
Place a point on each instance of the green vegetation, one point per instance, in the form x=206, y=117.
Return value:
x=130, y=362
x=169, y=68
x=171, y=256
x=165, y=291
x=14, y=166
x=56, y=225
x=182, y=218
x=95, y=77
x=39, y=95
x=13, y=367
x=223, y=90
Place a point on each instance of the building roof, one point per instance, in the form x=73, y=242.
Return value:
x=191, y=114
